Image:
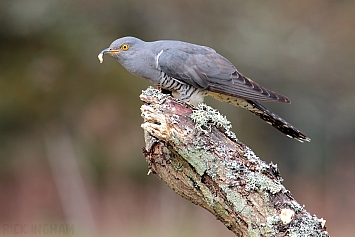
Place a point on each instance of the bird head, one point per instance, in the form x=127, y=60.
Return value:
x=121, y=49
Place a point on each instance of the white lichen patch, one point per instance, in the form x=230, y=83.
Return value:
x=270, y=225
x=259, y=182
x=200, y=143
x=272, y=220
x=250, y=155
x=153, y=92
x=205, y=117
x=295, y=206
x=307, y=226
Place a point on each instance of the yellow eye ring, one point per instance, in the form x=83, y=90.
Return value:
x=124, y=47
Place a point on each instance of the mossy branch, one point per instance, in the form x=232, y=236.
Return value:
x=194, y=152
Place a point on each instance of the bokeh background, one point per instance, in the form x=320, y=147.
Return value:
x=70, y=136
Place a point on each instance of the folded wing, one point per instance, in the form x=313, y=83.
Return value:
x=203, y=68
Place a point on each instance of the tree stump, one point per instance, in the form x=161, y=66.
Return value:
x=196, y=154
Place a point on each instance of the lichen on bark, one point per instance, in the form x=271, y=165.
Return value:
x=195, y=153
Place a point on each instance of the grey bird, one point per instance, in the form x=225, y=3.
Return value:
x=191, y=72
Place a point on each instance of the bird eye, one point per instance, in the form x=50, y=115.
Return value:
x=125, y=47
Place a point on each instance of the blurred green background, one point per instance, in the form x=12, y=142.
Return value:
x=71, y=142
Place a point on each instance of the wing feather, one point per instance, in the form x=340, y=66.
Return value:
x=203, y=68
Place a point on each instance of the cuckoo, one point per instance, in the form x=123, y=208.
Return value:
x=191, y=72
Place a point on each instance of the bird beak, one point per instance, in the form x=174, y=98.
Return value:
x=107, y=51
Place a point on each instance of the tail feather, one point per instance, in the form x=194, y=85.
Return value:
x=277, y=122
x=265, y=114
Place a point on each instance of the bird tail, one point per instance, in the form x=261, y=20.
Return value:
x=265, y=114
x=276, y=121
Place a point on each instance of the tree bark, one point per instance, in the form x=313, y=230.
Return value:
x=193, y=151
